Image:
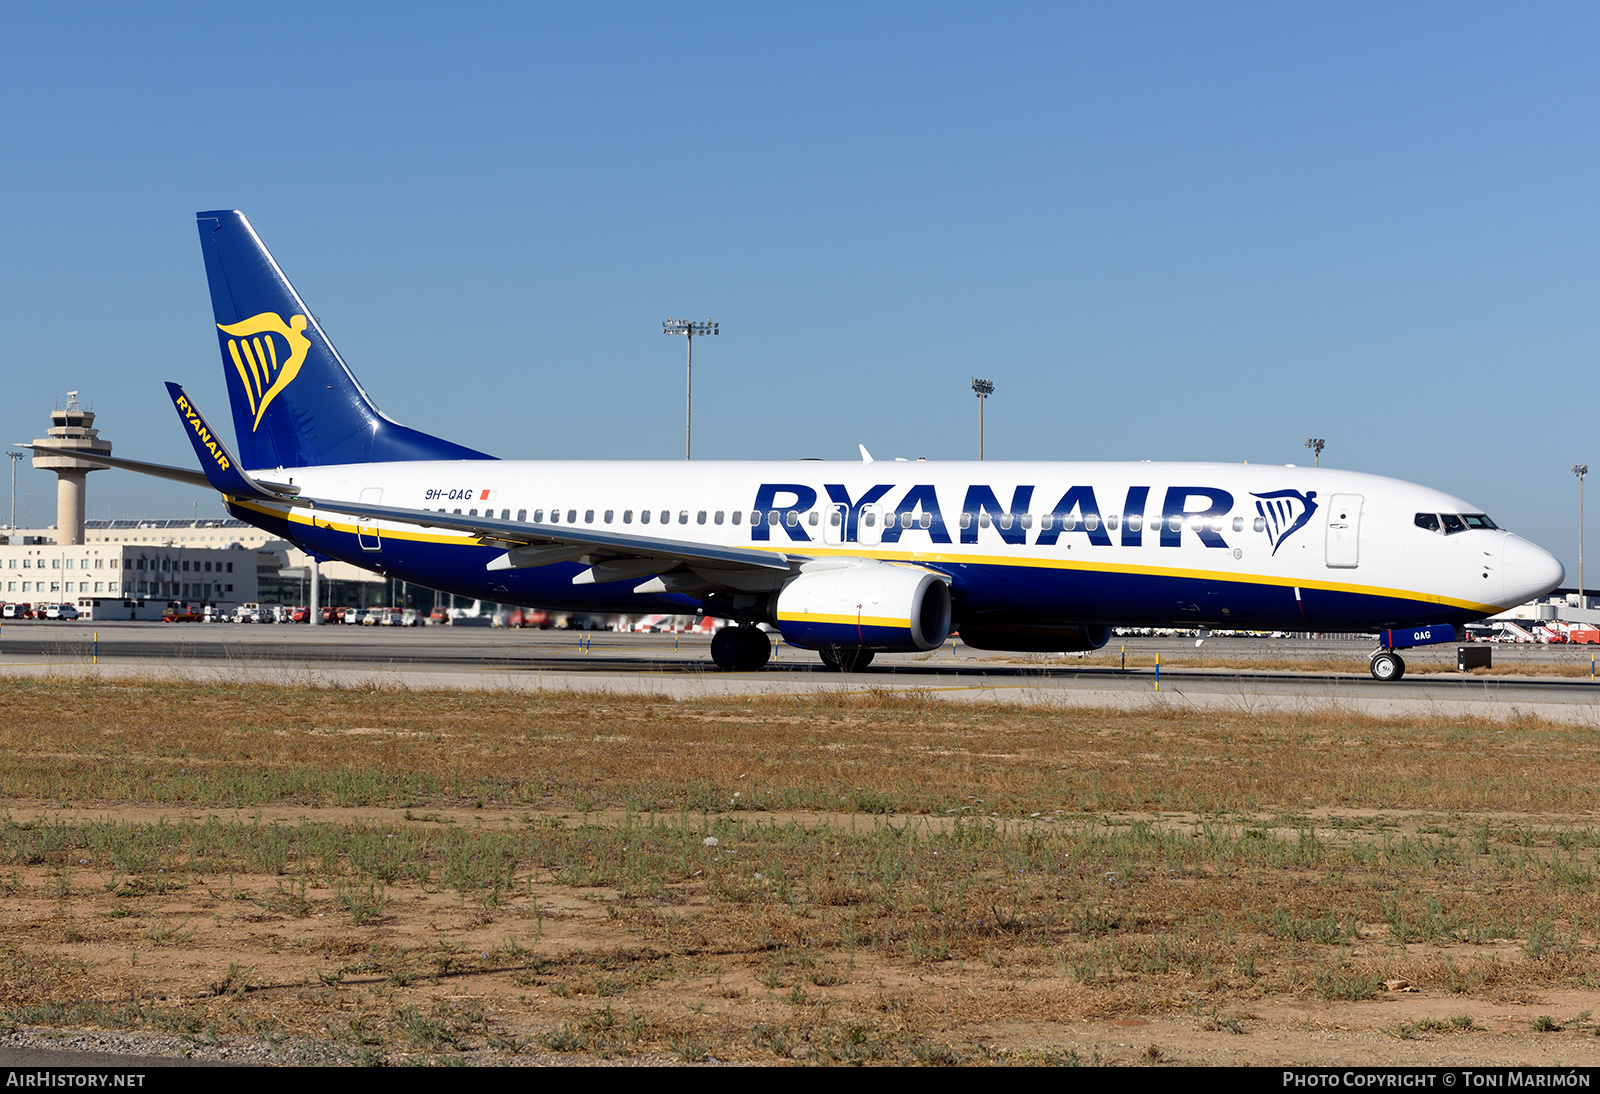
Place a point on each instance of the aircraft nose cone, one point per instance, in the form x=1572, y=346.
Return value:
x=1529, y=571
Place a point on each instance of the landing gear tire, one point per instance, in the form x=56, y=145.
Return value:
x=842, y=659
x=741, y=649
x=1387, y=666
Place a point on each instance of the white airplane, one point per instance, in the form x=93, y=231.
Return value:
x=845, y=558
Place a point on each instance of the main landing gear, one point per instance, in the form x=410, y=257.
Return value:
x=843, y=659
x=1386, y=665
x=741, y=649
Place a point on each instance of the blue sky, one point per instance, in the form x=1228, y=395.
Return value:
x=1166, y=231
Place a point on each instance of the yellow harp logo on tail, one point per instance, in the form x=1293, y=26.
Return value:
x=265, y=367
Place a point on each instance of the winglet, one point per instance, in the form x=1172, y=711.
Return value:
x=221, y=469
x=866, y=457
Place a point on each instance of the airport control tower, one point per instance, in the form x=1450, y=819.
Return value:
x=72, y=427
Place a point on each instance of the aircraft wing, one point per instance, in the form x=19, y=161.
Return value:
x=515, y=534
x=159, y=470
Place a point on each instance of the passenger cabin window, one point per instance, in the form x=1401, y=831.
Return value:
x=572, y=516
x=666, y=517
x=927, y=520
x=555, y=516
x=538, y=516
x=1238, y=524
x=1005, y=520
x=522, y=516
x=1027, y=520
x=738, y=515
x=772, y=518
x=1259, y=524
x=588, y=516
x=609, y=514
x=505, y=514
x=791, y=518
x=835, y=519
x=644, y=516
x=1092, y=521
x=627, y=516
x=700, y=517
x=1428, y=521
x=683, y=516
x=983, y=519
x=1135, y=521
x=1111, y=521
x=718, y=518
x=1047, y=521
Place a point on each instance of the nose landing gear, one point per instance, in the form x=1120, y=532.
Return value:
x=1386, y=665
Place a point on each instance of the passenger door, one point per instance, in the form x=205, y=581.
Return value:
x=366, y=529
x=1344, y=531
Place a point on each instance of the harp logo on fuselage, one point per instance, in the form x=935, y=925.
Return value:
x=267, y=353
x=1286, y=512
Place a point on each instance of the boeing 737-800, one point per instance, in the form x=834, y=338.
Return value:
x=847, y=559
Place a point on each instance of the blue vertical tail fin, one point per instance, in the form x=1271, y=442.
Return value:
x=295, y=404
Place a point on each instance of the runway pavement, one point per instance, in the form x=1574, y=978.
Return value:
x=680, y=666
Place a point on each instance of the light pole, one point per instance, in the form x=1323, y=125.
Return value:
x=688, y=328
x=15, y=456
x=1315, y=444
x=1580, y=470
x=982, y=389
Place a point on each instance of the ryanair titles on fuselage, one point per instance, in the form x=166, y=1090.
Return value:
x=1197, y=508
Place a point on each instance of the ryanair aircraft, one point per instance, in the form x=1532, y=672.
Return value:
x=847, y=559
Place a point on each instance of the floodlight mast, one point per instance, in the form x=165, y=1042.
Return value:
x=688, y=328
x=1315, y=444
x=15, y=456
x=982, y=389
x=1580, y=470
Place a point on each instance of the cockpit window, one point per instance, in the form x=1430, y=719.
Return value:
x=1448, y=524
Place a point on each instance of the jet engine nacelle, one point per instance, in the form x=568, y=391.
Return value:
x=865, y=605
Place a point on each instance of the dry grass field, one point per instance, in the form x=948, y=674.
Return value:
x=402, y=876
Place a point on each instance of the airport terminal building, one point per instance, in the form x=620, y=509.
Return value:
x=219, y=561
x=104, y=578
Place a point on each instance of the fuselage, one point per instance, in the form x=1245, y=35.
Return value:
x=1244, y=546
